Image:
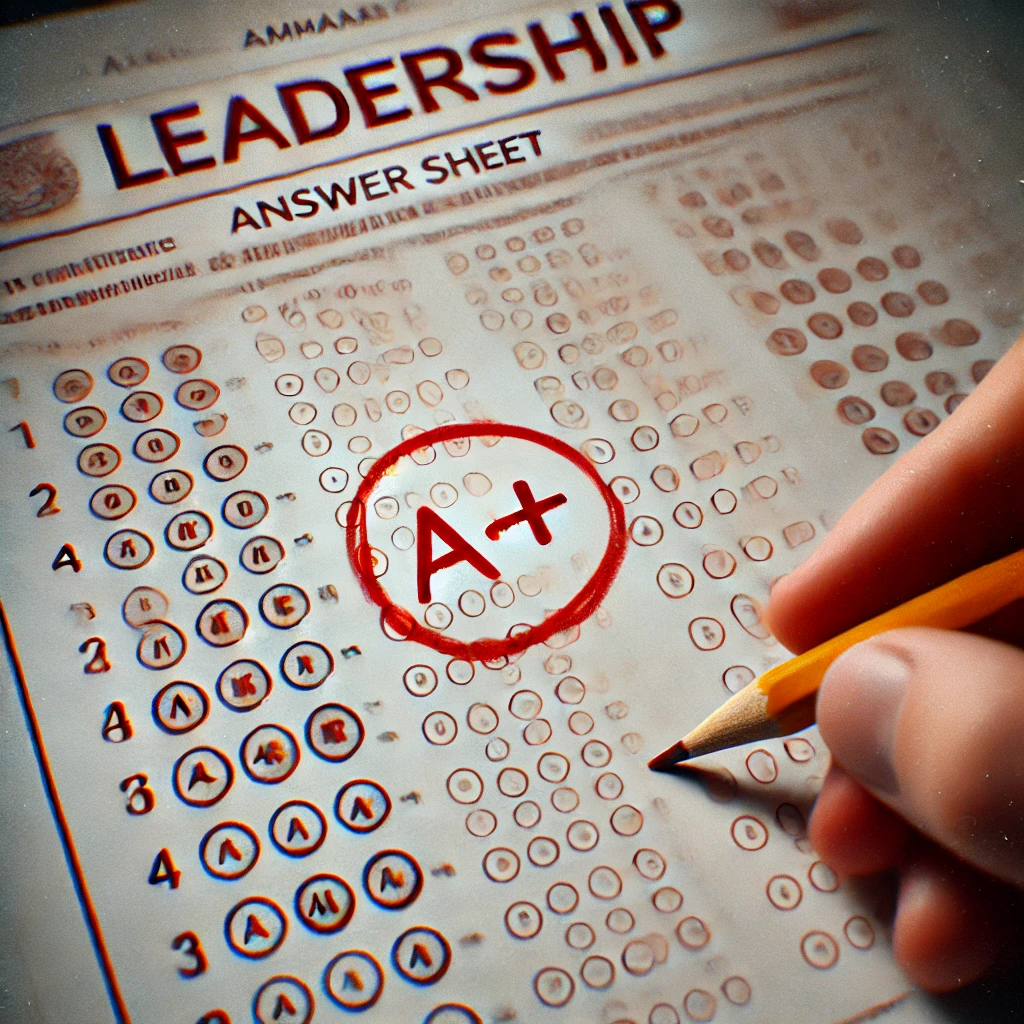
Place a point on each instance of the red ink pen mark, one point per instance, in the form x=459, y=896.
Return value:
x=242, y=686
x=362, y=805
x=67, y=556
x=271, y=753
x=98, y=662
x=531, y=512
x=26, y=433
x=254, y=929
x=228, y=849
x=50, y=506
x=429, y=524
x=401, y=622
x=420, y=955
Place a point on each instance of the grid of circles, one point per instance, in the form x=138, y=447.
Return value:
x=895, y=281
x=369, y=371
x=520, y=793
x=645, y=442
x=269, y=754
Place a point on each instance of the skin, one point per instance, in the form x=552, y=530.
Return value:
x=928, y=780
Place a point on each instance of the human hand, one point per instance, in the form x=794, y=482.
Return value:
x=926, y=726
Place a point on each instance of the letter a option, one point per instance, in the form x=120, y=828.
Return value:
x=255, y=927
x=421, y=955
x=362, y=805
x=428, y=525
x=67, y=557
x=392, y=879
x=325, y=903
x=354, y=980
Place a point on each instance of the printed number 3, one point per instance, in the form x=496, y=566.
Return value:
x=141, y=799
x=190, y=946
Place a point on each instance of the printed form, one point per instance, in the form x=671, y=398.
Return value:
x=399, y=443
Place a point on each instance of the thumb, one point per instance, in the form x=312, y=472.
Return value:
x=932, y=723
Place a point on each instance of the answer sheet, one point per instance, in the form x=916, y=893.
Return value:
x=399, y=445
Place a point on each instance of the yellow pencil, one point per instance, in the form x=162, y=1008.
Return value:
x=781, y=701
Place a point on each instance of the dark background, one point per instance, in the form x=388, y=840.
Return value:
x=991, y=33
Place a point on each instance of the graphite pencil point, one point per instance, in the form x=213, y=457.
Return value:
x=667, y=758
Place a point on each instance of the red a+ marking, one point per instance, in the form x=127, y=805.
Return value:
x=429, y=524
x=530, y=511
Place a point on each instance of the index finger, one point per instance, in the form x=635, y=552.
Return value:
x=953, y=502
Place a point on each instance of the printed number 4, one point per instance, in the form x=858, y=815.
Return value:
x=190, y=946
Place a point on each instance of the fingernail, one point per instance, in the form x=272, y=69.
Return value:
x=858, y=707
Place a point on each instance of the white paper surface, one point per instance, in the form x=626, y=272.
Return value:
x=617, y=293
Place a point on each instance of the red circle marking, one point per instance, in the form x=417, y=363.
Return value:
x=581, y=607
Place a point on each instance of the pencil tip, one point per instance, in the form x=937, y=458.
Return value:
x=668, y=758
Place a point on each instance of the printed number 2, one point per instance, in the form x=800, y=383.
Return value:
x=50, y=506
x=190, y=946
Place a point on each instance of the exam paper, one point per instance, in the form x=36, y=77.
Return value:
x=380, y=498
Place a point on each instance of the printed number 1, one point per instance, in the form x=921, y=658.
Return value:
x=26, y=433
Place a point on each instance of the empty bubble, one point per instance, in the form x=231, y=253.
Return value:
x=501, y=864
x=482, y=718
x=513, y=782
x=627, y=820
x=620, y=921
x=667, y=900
x=638, y=957
x=537, y=732
x=526, y=814
x=497, y=749
x=563, y=898
x=623, y=410
x=481, y=823
x=553, y=767
x=608, y=786
x=736, y=677
x=719, y=564
x=542, y=851
x=699, y=1005
x=644, y=438
x=762, y=766
x=693, y=933
x=819, y=949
